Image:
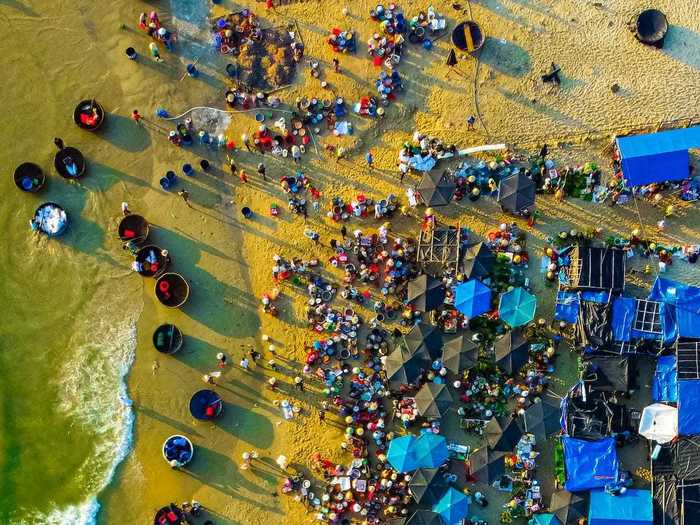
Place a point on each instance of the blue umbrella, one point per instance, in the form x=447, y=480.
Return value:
x=517, y=307
x=453, y=507
x=401, y=453
x=430, y=450
x=544, y=519
x=473, y=298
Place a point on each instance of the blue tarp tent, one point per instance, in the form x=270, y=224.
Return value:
x=682, y=304
x=623, y=310
x=664, y=386
x=688, y=403
x=657, y=157
x=634, y=507
x=589, y=464
x=567, y=307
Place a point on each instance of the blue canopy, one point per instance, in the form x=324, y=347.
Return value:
x=473, y=298
x=682, y=304
x=633, y=507
x=589, y=464
x=567, y=306
x=517, y=307
x=453, y=507
x=544, y=519
x=688, y=402
x=664, y=386
x=401, y=453
x=657, y=157
x=430, y=450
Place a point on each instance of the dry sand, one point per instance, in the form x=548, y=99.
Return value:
x=229, y=260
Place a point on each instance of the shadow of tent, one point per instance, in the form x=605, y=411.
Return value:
x=506, y=57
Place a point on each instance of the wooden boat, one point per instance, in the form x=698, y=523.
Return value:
x=206, y=405
x=181, y=453
x=29, y=177
x=50, y=219
x=468, y=36
x=150, y=269
x=133, y=228
x=169, y=515
x=168, y=339
x=89, y=115
x=172, y=290
x=70, y=163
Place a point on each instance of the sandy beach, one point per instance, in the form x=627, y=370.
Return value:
x=227, y=259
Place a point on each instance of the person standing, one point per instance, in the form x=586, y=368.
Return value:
x=242, y=175
x=321, y=415
x=136, y=116
x=343, y=231
x=470, y=122
x=261, y=171
x=336, y=65
x=370, y=159
x=153, y=47
x=246, y=141
x=125, y=209
x=59, y=143
x=221, y=360
x=296, y=154
x=185, y=197
x=244, y=363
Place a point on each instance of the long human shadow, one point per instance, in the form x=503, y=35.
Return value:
x=683, y=44
x=220, y=472
x=174, y=423
x=124, y=133
x=249, y=426
x=506, y=57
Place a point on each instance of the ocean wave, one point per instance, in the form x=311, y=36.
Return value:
x=94, y=393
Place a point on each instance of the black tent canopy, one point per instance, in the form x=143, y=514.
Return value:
x=425, y=293
x=503, y=433
x=609, y=373
x=427, y=486
x=516, y=193
x=478, y=261
x=569, y=507
x=433, y=400
x=597, y=268
x=542, y=419
x=594, y=325
x=403, y=367
x=511, y=351
x=424, y=517
x=460, y=353
x=424, y=337
x=487, y=465
x=436, y=189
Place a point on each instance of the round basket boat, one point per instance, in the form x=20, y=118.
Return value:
x=70, y=163
x=172, y=290
x=152, y=260
x=178, y=450
x=133, y=228
x=89, y=115
x=651, y=27
x=50, y=219
x=206, y=405
x=168, y=339
x=169, y=515
x=29, y=177
x=468, y=36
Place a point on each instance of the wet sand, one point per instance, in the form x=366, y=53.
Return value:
x=228, y=259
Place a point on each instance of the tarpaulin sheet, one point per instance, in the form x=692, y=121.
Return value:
x=609, y=373
x=589, y=464
x=657, y=157
x=664, y=386
x=634, y=507
x=593, y=324
x=596, y=297
x=566, y=308
x=688, y=412
x=682, y=302
x=623, y=310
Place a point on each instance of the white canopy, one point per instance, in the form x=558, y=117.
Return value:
x=659, y=423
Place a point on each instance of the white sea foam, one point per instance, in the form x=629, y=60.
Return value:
x=94, y=390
